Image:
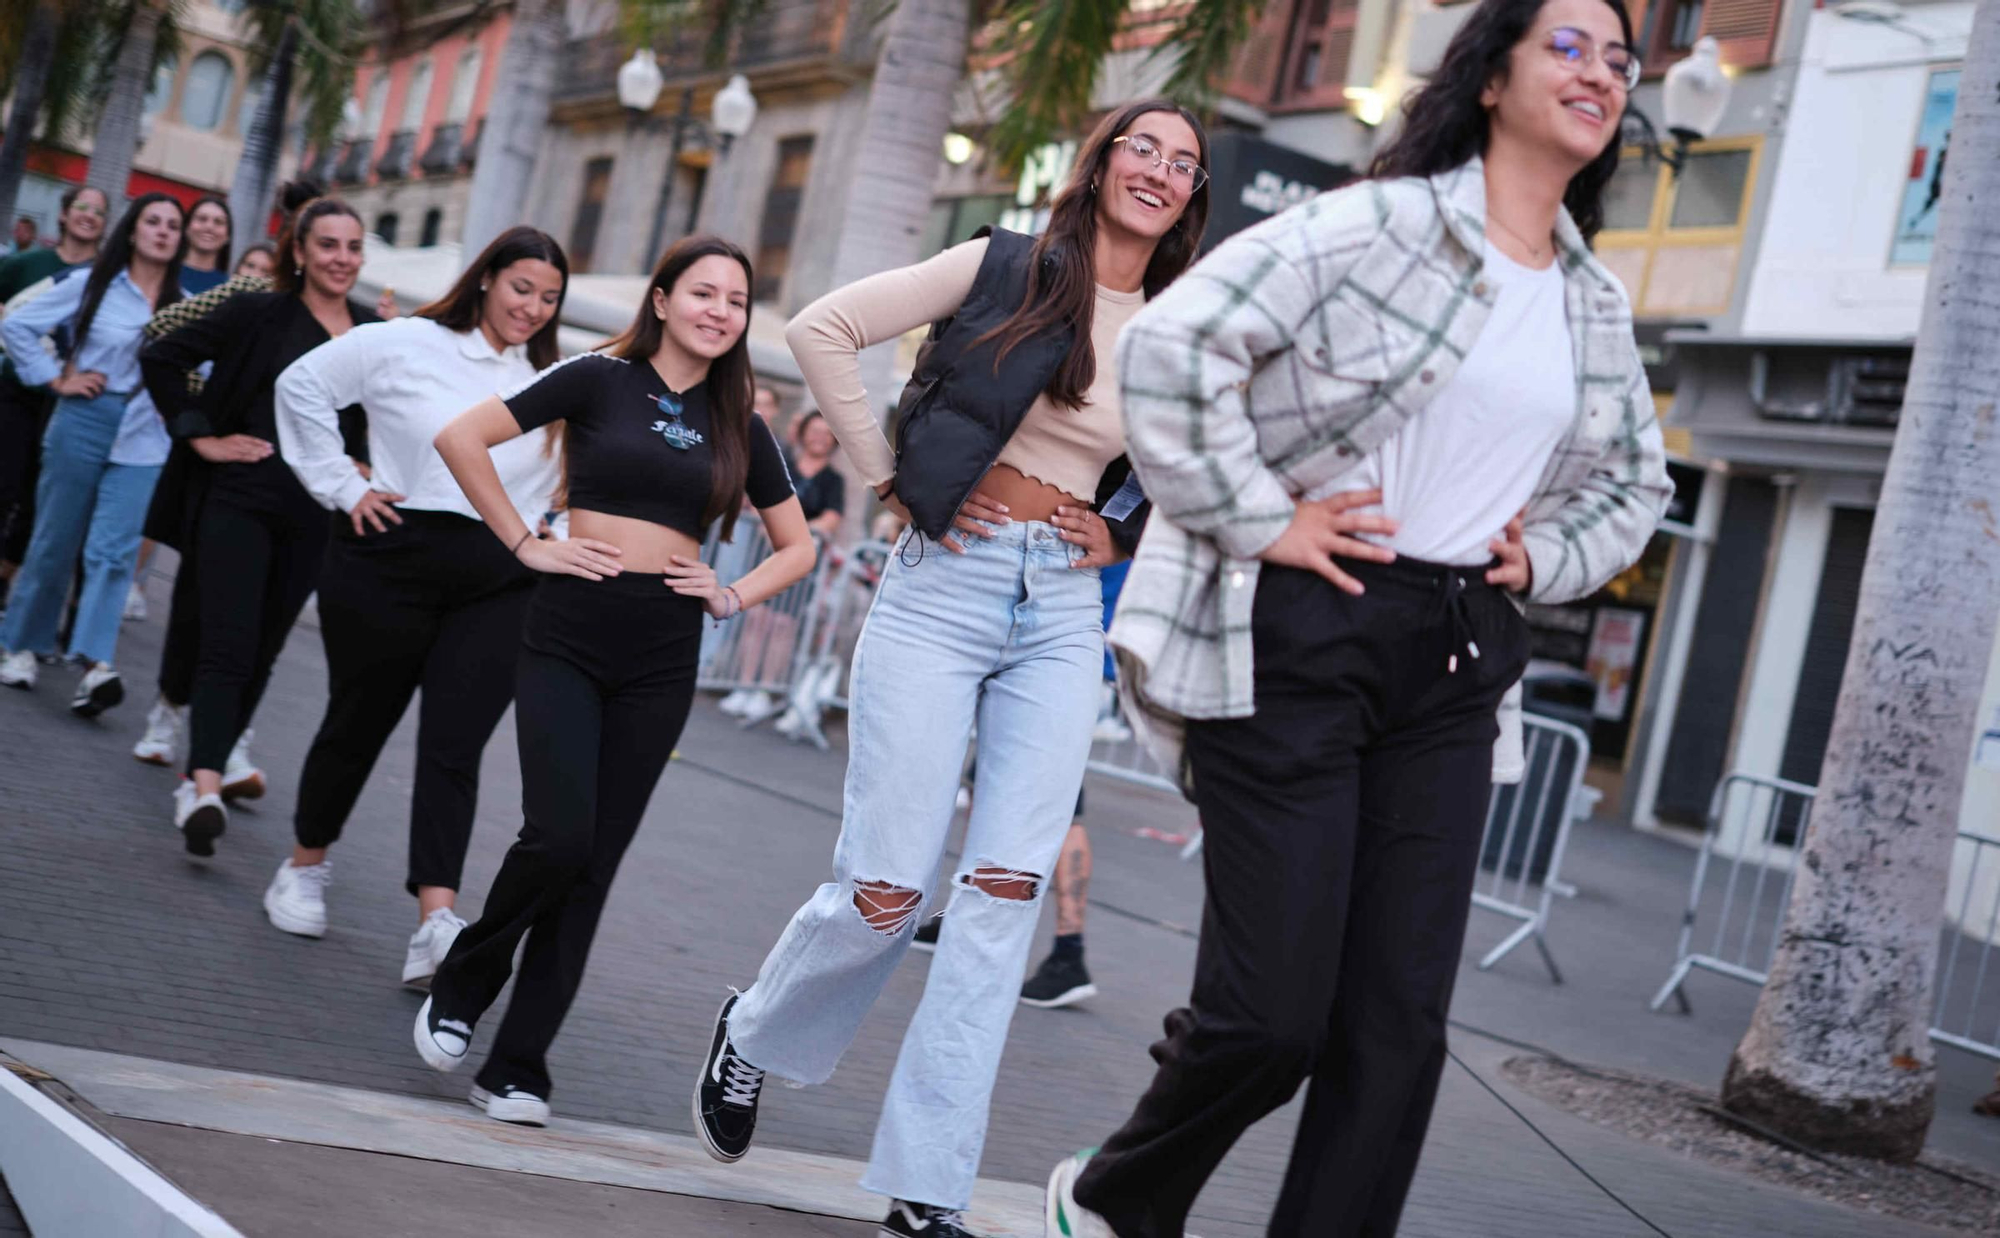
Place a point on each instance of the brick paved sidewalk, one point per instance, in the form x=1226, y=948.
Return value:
x=112, y=939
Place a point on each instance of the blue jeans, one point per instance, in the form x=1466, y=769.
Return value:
x=84, y=503
x=1008, y=634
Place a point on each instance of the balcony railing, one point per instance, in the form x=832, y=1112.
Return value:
x=395, y=162
x=353, y=167
x=786, y=31
x=447, y=147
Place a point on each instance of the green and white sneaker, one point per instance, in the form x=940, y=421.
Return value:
x=1063, y=1217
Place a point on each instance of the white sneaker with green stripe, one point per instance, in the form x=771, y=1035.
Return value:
x=1063, y=1217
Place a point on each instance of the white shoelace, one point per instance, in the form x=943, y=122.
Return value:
x=445, y=917
x=315, y=877
x=740, y=1082
x=456, y=1026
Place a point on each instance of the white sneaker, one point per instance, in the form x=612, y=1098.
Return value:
x=760, y=706
x=1061, y=1214
x=98, y=690
x=736, y=702
x=201, y=819
x=296, y=898
x=163, y=734
x=512, y=1104
x=241, y=780
x=18, y=670
x=428, y=946
x=135, y=603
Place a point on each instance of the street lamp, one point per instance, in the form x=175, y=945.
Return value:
x=731, y=113
x=1694, y=96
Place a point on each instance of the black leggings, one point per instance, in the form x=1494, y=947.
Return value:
x=255, y=570
x=24, y=415
x=606, y=677
x=434, y=602
x=1342, y=825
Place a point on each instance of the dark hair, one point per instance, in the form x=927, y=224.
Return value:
x=298, y=228
x=68, y=200
x=212, y=199
x=731, y=382
x=804, y=422
x=1445, y=124
x=116, y=254
x=294, y=194
x=1062, y=276
x=459, y=308
x=261, y=247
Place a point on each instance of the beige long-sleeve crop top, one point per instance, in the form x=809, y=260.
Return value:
x=1066, y=448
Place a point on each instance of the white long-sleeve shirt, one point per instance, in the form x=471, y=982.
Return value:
x=412, y=376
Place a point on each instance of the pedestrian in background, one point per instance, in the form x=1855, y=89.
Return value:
x=989, y=611
x=1442, y=334
x=659, y=445
x=417, y=593
x=258, y=537
x=101, y=454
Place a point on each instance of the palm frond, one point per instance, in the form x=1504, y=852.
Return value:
x=1206, y=39
x=332, y=38
x=1048, y=51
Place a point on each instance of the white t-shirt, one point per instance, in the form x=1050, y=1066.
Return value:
x=1455, y=474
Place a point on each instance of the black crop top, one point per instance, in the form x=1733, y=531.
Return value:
x=623, y=457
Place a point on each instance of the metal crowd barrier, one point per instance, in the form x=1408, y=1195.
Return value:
x=1758, y=887
x=1773, y=814
x=1527, y=831
x=765, y=649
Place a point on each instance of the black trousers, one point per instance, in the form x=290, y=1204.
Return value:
x=606, y=677
x=255, y=568
x=435, y=603
x=182, y=646
x=1342, y=834
x=24, y=415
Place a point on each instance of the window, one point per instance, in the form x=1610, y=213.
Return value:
x=1675, y=242
x=464, y=85
x=433, y=224
x=162, y=88
x=589, y=214
x=1683, y=24
x=378, y=102
x=954, y=220
x=1322, y=41
x=385, y=227
x=781, y=216
x=418, y=97
x=206, y=93
x=1667, y=30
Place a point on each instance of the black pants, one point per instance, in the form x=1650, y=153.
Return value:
x=255, y=567
x=1342, y=835
x=24, y=415
x=606, y=676
x=182, y=646
x=434, y=602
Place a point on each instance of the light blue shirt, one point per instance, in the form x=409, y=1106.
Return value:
x=112, y=349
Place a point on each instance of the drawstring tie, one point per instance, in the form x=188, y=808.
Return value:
x=1452, y=602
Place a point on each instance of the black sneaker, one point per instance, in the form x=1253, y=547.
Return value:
x=1058, y=981
x=441, y=1040
x=927, y=934
x=908, y=1220
x=725, y=1099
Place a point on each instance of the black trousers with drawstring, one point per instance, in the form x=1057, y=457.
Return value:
x=1342, y=826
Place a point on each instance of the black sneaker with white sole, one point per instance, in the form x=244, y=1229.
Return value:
x=725, y=1098
x=441, y=1039
x=908, y=1220
x=511, y=1104
x=1060, y=981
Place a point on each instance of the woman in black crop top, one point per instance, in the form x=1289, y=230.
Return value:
x=658, y=445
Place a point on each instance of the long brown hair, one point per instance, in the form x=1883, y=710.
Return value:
x=731, y=382
x=1062, y=272
x=290, y=277
x=460, y=307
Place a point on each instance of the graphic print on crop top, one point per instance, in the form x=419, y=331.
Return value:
x=637, y=449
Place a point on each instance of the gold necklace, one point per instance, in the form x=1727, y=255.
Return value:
x=1534, y=250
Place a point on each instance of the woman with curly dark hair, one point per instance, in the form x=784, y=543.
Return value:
x=1441, y=334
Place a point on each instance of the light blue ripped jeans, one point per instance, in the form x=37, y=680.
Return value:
x=1008, y=634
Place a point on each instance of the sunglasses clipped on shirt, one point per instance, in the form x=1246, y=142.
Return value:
x=1577, y=49
x=1186, y=171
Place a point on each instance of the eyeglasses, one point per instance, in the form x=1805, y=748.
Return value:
x=1577, y=49
x=1187, y=171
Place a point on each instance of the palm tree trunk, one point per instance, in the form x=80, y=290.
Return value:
x=257, y=166
x=1838, y=1053
x=118, y=126
x=515, y=120
x=909, y=110
x=31, y=77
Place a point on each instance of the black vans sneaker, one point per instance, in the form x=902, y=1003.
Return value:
x=1059, y=981
x=908, y=1220
x=725, y=1099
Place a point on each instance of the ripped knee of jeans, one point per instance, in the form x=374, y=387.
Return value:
x=1009, y=884
x=885, y=907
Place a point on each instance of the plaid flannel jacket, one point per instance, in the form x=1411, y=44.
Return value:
x=1292, y=351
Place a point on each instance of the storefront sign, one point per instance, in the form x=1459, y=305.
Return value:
x=1614, y=658
x=1916, y=218
x=1252, y=179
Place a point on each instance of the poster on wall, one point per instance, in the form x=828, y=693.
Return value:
x=1916, y=217
x=1614, y=658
